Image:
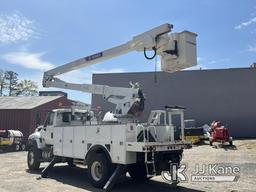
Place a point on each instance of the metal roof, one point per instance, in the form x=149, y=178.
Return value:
x=25, y=102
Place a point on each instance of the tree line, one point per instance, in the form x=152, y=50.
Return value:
x=10, y=85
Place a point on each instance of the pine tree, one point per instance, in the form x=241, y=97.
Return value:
x=12, y=81
x=2, y=82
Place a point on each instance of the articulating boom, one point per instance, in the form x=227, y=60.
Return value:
x=176, y=50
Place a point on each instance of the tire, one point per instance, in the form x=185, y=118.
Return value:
x=23, y=147
x=33, y=158
x=231, y=143
x=210, y=141
x=17, y=147
x=138, y=172
x=99, y=170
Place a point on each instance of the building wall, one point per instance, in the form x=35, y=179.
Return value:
x=225, y=94
x=25, y=119
x=15, y=119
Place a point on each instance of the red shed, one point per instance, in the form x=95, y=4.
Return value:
x=26, y=113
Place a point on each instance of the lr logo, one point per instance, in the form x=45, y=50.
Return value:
x=176, y=173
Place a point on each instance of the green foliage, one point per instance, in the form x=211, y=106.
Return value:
x=2, y=82
x=10, y=85
x=27, y=88
x=12, y=81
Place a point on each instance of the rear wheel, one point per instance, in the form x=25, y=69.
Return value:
x=17, y=147
x=23, y=147
x=99, y=170
x=33, y=158
x=230, y=141
x=210, y=141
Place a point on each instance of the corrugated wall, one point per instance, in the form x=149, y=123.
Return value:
x=224, y=94
x=15, y=119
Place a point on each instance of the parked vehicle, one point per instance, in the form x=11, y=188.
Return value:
x=11, y=140
x=219, y=133
x=193, y=133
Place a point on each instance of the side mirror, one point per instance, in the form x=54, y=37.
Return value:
x=40, y=127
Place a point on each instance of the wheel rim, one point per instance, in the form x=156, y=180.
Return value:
x=17, y=147
x=96, y=170
x=23, y=147
x=31, y=158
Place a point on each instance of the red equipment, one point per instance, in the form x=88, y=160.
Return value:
x=219, y=133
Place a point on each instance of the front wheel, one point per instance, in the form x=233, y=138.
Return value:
x=99, y=170
x=33, y=158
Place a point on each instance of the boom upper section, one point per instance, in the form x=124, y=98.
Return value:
x=177, y=51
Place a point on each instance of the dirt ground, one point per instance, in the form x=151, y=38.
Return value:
x=15, y=177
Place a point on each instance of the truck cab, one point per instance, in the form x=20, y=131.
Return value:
x=62, y=118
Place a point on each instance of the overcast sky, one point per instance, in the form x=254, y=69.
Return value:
x=36, y=36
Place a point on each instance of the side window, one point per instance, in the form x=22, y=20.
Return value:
x=154, y=118
x=158, y=118
x=49, y=120
x=66, y=117
x=63, y=118
x=162, y=119
x=176, y=121
x=79, y=118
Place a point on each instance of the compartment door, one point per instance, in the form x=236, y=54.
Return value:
x=79, y=142
x=68, y=135
x=57, y=141
x=118, y=144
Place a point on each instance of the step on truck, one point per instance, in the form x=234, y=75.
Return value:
x=119, y=142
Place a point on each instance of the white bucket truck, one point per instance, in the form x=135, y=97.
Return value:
x=118, y=143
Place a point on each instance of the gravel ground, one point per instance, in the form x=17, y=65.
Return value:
x=15, y=177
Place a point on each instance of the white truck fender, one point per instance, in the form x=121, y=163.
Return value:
x=98, y=149
x=36, y=139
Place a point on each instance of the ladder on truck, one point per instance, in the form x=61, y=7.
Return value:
x=149, y=163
